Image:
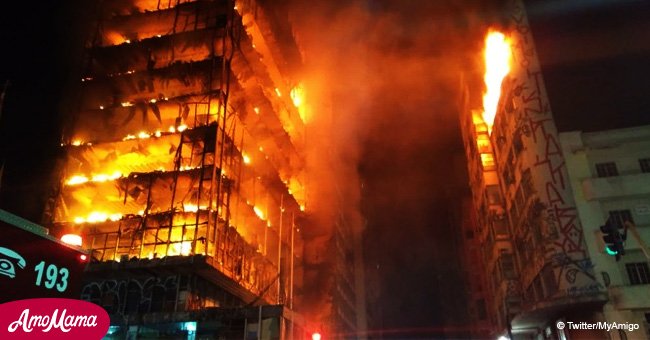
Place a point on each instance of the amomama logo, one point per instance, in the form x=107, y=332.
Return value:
x=52, y=318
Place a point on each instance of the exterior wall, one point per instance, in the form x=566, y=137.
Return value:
x=344, y=318
x=542, y=212
x=477, y=286
x=490, y=241
x=596, y=196
x=519, y=181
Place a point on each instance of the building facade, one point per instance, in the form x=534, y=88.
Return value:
x=475, y=277
x=609, y=172
x=532, y=240
x=184, y=170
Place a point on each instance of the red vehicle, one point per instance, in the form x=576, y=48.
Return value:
x=34, y=264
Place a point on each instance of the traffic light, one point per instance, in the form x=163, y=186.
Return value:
x=613, y=240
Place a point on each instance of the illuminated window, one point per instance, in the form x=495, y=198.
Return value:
x=606, y=169
x=483, y=143
x=488, y=161
x=638, y=273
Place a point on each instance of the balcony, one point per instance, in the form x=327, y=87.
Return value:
x=613, y=187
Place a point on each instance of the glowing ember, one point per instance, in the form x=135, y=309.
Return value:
x=193, y=208
x=96, y=217
x=259, y=213
x=277, y=91
x=80, y=179
x=77, y=179
x=182, y=127
x=497, y=66
x=247, y=160
x=104, y=178
x=297, y=95
x=77, y=142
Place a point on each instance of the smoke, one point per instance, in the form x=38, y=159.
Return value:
x=382, y=80
x=339, y=89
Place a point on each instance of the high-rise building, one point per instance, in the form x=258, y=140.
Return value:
x=532, y=239
x=609, y=172
x=184, y=169
x=475, y=278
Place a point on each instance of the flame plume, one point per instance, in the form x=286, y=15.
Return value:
x=497, y=66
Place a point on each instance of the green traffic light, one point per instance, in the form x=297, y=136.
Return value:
x=610, y=252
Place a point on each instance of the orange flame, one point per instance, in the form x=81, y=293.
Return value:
x=259, y=213
x=298, y=97
x=497, y=66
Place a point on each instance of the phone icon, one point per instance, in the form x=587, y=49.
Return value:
x=8, y=258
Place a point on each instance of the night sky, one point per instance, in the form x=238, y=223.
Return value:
x=594, y=55
x=42, y=44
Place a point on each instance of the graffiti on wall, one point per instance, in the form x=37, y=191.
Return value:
x=567, y=252
x=129, y=296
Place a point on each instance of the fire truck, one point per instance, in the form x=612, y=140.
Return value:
x=33, y=264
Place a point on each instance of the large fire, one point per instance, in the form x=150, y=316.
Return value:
x=497, y=66
x=176, y=153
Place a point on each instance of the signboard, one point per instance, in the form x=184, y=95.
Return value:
x=34, y=264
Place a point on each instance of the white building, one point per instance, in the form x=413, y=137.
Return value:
x=609, y=172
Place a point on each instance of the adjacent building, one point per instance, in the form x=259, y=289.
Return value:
x=533, y=245
x=488, y=246
x=474, y=275
x=609, y=172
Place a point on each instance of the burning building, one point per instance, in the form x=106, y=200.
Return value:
x=184, y=168
x=532, y=241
